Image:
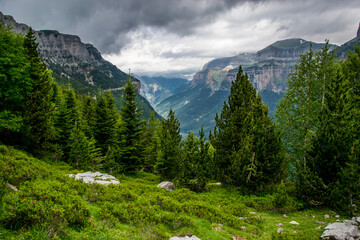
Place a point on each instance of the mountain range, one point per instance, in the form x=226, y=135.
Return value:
x=79, y=64
x=197, y=102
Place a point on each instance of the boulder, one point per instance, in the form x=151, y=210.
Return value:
x=342, y=231
x=294, y=223
x=169, y=186
x=193, y=237
x=95, y=177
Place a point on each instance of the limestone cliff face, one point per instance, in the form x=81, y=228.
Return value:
x=69, y=58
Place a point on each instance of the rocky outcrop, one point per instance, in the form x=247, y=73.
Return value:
x=95, y=177
x=347, y=230
x=169, y=186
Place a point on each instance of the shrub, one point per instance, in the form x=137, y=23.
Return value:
x=51, y=204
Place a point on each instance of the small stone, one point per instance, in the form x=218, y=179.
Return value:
x=337, y=216
x=294, y=231
x=241, y=218
x=218, y=183
x=243, y=227
x=220, y=224
x=320, y=222
x=285, y=215
x=279, y=225
x=319, y=227
x=294, y=223
x=337, y=220
x=313, y=216
x=12, y=187
x=280, y=230
x=252, y=212
x=326, y=216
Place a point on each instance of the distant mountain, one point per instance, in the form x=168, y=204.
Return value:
x=79, y=64
x=198, y=101
x=156, y=89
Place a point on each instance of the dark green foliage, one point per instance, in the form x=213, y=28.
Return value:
x=89, y=116
x=131, y=149
x=169, y=153
x=152, y=143
x=105, y=121
x=110, y=165
x=78, y=144
x=39, y=110
x=248, y=147
x=196, y=163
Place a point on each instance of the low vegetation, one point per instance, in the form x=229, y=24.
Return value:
x=49, y=204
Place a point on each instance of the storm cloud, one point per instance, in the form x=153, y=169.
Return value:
x=108, y=23
x=157, y=37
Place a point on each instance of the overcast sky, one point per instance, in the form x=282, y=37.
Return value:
x=163, y=37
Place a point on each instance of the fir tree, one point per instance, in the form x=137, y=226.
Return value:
x=39, y=109
x=152, y=142
x=169, y=153
x=241, y=135
x=105, y=122
x=131, y=149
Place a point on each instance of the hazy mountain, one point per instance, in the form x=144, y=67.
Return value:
x=198, y=101
x=156, y=89
x=79, y=64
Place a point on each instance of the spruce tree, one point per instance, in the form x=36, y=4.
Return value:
x=105, y=122
x=169, y=153
x=131, y=149
x=152, y=142
x=39, y=109
x=241, y=137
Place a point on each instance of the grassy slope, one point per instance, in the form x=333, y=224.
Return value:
x=137, y=209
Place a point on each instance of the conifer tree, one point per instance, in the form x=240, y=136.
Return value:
x=169, y=153
x=105, y=122
x=151, y=136
x=78, y=145
x=131, y=149
x=39, y=110
x=240, y=138
x=88, y=116
x=297, y=114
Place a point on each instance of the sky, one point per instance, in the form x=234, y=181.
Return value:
x=177, y=37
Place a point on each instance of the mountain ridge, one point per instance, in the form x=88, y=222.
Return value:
x=79, y=63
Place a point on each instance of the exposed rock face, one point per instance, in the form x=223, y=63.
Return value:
x=95, y=177
x=71, y=59
x=169, y=186
x=342, y=231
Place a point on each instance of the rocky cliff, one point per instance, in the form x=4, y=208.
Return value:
x=203, y=97
x=78, y=63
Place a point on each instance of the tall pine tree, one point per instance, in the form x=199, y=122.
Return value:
x=241, y=138
x=131, y=149
x=168, y=164
x=39, y=109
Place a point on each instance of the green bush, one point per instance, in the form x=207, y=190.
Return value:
x=51, y=204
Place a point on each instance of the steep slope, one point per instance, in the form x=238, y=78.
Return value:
x=79, y=64
x=203, y=97
x=156, y=89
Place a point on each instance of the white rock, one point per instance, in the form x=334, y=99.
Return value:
x=326, y=216
x=169, y=186
x=243, y=227
x=341, y=231
x=319, y=227
x=218, y=183
x=337, y=216
x=294, y=223
x=280, y=230
x=252, y=212
x=193, y=237
x=284, y=215
x=279, y=225
x=95, y=177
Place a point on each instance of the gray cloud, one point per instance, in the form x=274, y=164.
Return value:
x=108, y=23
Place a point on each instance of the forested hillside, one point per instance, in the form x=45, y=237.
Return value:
x=250, y=176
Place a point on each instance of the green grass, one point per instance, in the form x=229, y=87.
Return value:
x=137, y=209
